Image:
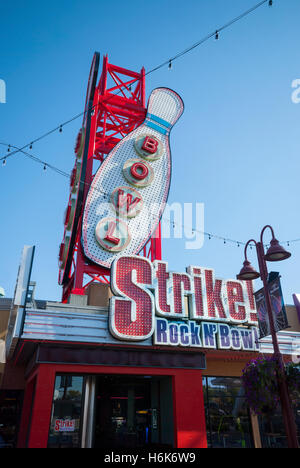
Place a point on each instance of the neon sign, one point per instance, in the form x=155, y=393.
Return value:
x=130, y=189
x=192, y=309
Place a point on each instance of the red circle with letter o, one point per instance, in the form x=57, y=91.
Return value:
x=139, y=171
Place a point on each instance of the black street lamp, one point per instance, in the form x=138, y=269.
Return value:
x=275, y=253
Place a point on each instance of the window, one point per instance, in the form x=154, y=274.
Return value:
x=272, y=428
x=228, y=423
x=65, y=427
x=10, y=412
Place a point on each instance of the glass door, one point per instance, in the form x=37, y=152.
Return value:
x=124, y=416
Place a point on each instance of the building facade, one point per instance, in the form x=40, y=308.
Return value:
x=70, y=383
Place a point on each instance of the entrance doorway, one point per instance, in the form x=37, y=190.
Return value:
x=133, y=412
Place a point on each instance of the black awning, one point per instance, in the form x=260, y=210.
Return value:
x=121, y=357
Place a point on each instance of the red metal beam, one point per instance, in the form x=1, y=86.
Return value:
x=114, y=117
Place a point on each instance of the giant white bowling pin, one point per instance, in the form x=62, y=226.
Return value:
x=130, y=189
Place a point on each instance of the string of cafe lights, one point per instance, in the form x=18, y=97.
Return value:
x=172, y=223
x=215, y=34
x=12, y=150
x=45, y=165
x=210, y=236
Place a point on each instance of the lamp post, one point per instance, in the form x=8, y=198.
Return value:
x=275, y=253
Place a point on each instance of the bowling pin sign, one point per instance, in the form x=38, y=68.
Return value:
x=130, y=189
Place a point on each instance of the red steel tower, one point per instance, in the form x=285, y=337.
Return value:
x=114, y=107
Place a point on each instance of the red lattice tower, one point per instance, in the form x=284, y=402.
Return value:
x=118, y=107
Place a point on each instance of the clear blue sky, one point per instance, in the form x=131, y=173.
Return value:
x=235, y=149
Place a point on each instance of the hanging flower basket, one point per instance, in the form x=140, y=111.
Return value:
x=293, y=380
x=260, y=384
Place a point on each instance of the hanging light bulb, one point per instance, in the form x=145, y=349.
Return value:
x=4, y=162
x=8, y=149
x=170, y=64
x=270, y=3
x=217, y=35
x=45, y=167
x=30, y=147
x=60, y=128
